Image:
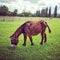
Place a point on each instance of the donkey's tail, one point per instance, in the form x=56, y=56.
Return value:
x=49, y=28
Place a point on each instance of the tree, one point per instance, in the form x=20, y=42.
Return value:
x=43, y=12
x=3, y=10
x=14, y=13
x=50, y=12
x=55, y=11
x=26, y=14
x=38, y=13
x=46, y=12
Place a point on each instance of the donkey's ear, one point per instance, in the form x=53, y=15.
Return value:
x=10, y=37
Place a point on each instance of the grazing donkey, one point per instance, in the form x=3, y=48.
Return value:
x=30, y=28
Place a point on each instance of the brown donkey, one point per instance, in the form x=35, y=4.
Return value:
x=30, y=28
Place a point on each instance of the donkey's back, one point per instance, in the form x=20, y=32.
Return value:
x=35, y=27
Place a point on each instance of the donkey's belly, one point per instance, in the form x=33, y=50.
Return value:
x=35, y=32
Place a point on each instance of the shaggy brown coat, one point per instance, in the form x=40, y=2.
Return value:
x=30, y=28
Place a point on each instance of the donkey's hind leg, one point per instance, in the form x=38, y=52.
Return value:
x=45, y=38
x=41, y=39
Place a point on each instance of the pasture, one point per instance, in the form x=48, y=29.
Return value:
x=47, y=51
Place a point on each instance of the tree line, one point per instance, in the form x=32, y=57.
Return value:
x=4, y=11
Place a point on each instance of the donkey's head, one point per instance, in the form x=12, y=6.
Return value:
x=14, y=41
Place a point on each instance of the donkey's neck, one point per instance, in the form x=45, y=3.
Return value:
x=17, y=32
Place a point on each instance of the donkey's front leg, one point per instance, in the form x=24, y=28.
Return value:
x=30, y=37
x=25, y=38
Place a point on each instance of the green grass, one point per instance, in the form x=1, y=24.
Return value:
x=47, y=51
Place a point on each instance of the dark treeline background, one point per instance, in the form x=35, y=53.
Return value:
x=4, y=11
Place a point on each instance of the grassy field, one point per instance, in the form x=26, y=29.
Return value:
x=47, y=51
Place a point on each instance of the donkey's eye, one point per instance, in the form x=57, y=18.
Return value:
x=12, y=41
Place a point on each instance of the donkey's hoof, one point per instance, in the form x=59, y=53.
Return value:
x=44, y=41
x=41, y=43
x=24, y=44
x=32, y=44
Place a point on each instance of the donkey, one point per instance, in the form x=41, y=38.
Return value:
x=30, y=28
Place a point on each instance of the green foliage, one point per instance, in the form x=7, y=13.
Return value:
x=3, y=10
x=55, y=11
x=14, y=13
x=46, y=15
x=38, y=13
x=47, y=51
x=26, y=14
x=43, y=12
x=50, y=12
